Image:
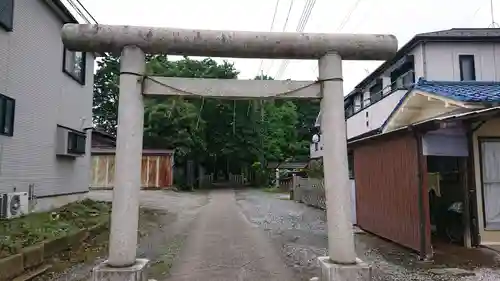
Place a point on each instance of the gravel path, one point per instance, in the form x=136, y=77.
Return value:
x=299, y=232
x=223, y=245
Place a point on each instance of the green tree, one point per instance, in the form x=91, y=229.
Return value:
x=223, y=134
x=105, y=104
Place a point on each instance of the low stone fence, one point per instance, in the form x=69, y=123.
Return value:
x=309, y=191
x=30, y=261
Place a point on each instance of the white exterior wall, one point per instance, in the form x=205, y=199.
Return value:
x=443, y=64
x=316, y=153
x=374, y=116
x=31, y=73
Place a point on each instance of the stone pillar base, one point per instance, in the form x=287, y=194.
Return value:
x=136, y=272
x=341, y=272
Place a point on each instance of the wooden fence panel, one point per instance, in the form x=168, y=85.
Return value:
x=156, y=171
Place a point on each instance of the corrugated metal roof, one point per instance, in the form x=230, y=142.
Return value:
x=465, y=91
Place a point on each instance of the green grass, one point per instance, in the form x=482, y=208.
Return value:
x=31, y=229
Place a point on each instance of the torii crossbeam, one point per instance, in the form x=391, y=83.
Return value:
x=133, y=42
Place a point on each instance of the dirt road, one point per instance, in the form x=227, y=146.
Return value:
x=223, y=245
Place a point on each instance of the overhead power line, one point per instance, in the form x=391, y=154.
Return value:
x=304, y=19
x=288, y=14
x=306, y=12
x=270, y=29
x=345, y=21
x=347, y=18
x=493, y=24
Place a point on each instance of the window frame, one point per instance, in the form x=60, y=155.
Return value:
x=461, y=59
x=375, y=96
x=8, y=26
x=3, y=117
x=81, y=80
x=73, y=137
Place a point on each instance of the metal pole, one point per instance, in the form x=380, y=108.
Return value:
x=337, y=186
x=125, y=211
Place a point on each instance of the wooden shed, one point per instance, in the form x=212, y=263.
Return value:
x=156, y=168
x=390, y=194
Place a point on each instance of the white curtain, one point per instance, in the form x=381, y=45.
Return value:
x=491, y=183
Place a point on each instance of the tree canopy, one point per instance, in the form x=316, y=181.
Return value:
x=219, y=133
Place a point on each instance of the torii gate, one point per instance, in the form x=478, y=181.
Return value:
x=134, y=42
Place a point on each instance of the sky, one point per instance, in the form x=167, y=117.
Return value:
x=399, y=17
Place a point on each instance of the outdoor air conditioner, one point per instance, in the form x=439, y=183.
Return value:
x=13, y=204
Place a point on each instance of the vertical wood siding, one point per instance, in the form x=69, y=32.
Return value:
x=387, y=186
x=156, y=171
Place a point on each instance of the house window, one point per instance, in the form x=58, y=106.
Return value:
x=76, y=143
x=74, y=65
x=7, y=106
x=467, y=68
x=376, y=91
x=7, y=14
x=358, y=105
x=404, y=76
x=349, y=108
x=366, y=99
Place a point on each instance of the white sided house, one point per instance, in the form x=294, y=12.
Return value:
x=45, y=105
x=448, y=55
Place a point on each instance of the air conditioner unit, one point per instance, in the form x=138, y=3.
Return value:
x=13, y=204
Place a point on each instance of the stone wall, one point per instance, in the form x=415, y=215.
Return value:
x=309, y=191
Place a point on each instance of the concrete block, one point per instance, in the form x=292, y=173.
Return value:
x=33, y=256
x=11, y=267
x=136, y=272
x=55, y=245
x=342, y=272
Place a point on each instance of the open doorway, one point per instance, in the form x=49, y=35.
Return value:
x=446, y=182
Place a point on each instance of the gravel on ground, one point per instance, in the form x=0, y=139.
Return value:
x=300, y=233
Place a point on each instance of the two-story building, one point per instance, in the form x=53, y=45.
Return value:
x=422, y=136
x=45, y=103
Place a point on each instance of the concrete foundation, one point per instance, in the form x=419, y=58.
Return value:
x=136, y=272
x=344, y=272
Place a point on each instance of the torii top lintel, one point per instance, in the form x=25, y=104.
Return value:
x=219, y=43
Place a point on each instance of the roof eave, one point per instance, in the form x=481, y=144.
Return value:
x=62, y=12
x=410, y=45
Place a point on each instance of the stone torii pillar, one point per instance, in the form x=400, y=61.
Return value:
x=133, y=42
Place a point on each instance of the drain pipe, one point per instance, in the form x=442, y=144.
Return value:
x=423, y=243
